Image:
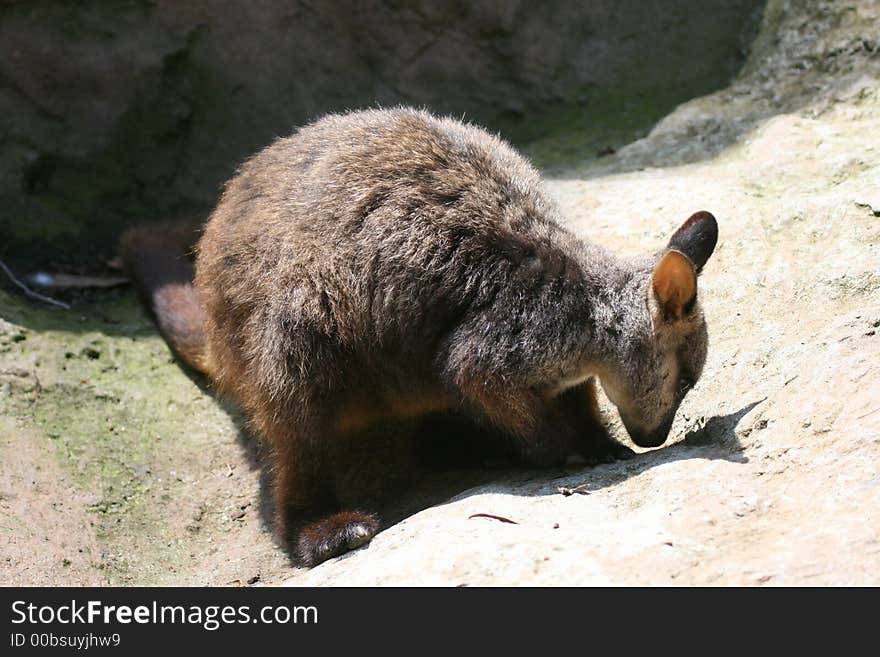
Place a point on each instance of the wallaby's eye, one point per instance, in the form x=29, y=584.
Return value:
x=685, y=383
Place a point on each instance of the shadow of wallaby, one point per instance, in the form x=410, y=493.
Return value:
x=719, y=431
x=714, y=439
x=457, y=471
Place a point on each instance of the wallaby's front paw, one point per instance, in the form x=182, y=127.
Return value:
x=607, y=451
x=550, y=446
x=620, y=452
x=545, y=454
x=334, y=535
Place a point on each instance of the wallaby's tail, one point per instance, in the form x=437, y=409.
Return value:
x=157, y=258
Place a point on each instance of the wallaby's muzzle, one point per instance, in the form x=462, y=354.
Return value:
x=651, y=439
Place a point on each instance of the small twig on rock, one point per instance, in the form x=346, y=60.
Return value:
x=862, y=417
x=493, y=517
x=29, y=292
x=580, y=490
x=869, y=207
x=38, y=387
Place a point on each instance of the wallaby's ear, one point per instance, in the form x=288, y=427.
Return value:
x=696, y=238
x=675, y=285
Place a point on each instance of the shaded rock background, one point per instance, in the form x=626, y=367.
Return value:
x=131, y=110
x=117, y=467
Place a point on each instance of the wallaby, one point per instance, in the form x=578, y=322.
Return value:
x=388, y=264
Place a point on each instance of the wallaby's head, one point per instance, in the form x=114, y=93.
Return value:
x=663, y=339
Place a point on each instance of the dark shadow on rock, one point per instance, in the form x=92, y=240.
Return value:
x=719, y=430
x=714, y=439
x=180, y=107
x=253, y=449
x=258, y=459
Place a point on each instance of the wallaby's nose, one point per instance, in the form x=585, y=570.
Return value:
x=649, y=440
x=654, y=438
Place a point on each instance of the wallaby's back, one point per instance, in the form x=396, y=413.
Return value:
x=367, y=236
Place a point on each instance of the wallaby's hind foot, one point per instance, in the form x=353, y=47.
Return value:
x=308, y=513
x=336, y=534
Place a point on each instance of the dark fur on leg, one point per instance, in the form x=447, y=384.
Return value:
x=542, y=436
x=308, y=512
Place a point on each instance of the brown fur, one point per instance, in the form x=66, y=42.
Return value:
x=382, y=265
x=157, y=258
